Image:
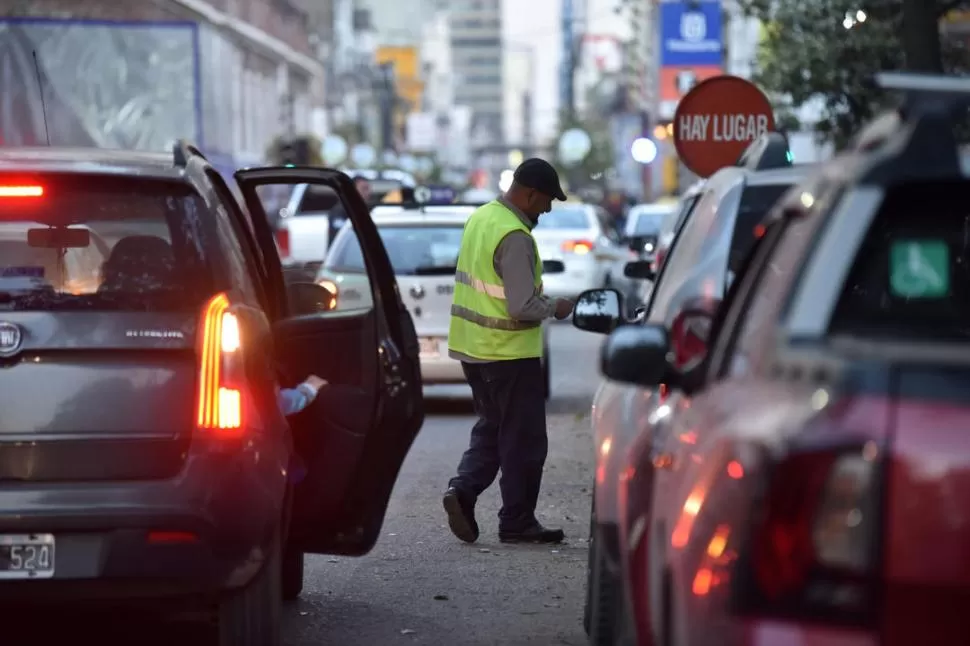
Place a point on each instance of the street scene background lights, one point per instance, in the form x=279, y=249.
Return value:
x=644, y=151
x=505, y=179
x=854, y=18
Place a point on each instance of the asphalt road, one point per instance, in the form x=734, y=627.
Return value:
x=421, y=585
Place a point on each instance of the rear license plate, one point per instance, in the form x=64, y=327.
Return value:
x=26, y=556
x=429, y=348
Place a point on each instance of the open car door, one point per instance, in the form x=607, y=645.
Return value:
x=355, y=436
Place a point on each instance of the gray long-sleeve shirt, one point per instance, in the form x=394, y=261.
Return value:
x=515, y=263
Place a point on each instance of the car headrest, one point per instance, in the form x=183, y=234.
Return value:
x=139, y=263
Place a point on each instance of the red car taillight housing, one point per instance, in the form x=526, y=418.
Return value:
x=814, y=548
x=221, y=384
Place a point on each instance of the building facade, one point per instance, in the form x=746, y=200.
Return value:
x=230, y=75
x=477, y=59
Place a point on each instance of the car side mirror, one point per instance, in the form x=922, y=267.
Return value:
x=641, y=269
x=637, y=355
x=598, y=310
x=309, y=298
x=553, y=267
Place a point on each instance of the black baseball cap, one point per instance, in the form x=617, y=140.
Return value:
x=539, y=174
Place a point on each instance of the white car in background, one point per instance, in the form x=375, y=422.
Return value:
x=584, y=238
x=304, y=229
x=643, y=225
x=422, y=243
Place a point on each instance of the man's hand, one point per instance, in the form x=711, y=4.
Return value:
x=564, y=307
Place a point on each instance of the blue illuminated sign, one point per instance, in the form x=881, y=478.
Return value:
x=691, y=33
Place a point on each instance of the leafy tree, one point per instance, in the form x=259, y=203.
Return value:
x=273, y=154
x=826, y=49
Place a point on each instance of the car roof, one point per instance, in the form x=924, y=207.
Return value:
x=429, y=215
x=788, y=175
x=89, y=160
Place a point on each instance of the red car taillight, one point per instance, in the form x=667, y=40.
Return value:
x=814, y=547
x=283, y=242
x=220, y=401
x=578, y=247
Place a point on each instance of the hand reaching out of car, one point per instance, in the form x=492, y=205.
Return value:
x=315, y=382
x=564, y=307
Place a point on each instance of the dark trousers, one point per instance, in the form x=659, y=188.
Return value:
x=510, y=435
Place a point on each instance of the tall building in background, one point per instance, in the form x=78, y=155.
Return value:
x=476, y=47
x=532, y=75
x=401, y=22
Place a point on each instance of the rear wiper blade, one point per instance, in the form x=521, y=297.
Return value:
x=435, y=270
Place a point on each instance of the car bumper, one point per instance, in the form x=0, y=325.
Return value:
x=202, y=533
x=441, y=370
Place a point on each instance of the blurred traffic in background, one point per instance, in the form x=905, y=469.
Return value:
x=771, y=431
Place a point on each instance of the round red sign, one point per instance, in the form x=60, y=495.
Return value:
x=717, y=120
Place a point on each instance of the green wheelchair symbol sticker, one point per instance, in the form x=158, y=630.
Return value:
x=919, y=269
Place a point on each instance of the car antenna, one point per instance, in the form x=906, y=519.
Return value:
x=43, y=102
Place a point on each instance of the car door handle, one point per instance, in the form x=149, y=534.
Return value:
x=394, y=381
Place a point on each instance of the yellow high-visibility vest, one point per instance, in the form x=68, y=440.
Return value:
x=480, y=323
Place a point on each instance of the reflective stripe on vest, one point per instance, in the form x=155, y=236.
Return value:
x=480, y=324
x=495, y=291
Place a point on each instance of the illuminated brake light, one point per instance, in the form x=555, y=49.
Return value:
x=578, y=247
x=21, y=191
x=220, y=401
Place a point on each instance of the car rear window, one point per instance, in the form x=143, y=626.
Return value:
x=756, y=201
x=648, y=223
x=411, y=248
x=911, y=276
x=564, y=218
x=74, y=242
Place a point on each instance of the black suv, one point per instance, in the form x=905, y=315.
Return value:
x=145, y=328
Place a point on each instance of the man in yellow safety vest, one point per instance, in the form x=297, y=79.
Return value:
x=496, y=333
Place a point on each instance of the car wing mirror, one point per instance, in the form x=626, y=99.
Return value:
x=637, y=354
x=640, y=269
x=309, y=298
x=553, y=267
x=598, y=310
